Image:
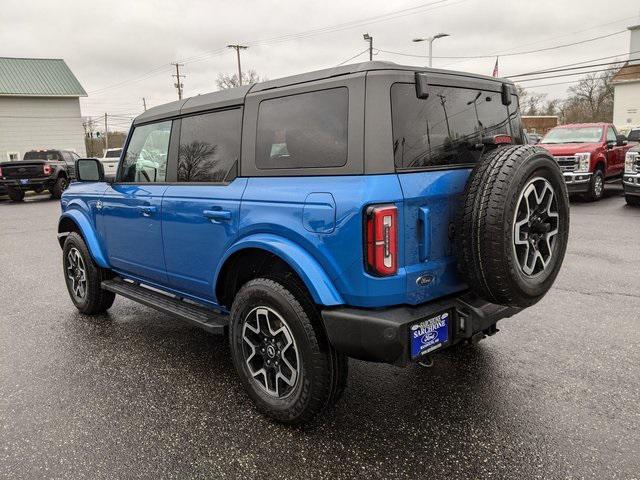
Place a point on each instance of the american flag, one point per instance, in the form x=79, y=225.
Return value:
x=495, y=69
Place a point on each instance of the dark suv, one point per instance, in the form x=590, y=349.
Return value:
x=373, y=211
x=39, y=170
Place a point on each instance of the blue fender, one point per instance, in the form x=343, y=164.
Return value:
x=312, y=274
x=89, y=235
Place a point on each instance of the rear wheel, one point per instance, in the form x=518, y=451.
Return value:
x=515, y=224
x=59, y=187
x=632, y=200
x=281, y=353
x=16, y=195
x=84, y=278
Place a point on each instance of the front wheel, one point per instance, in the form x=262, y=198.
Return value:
x=632, y=200
x=596, y=187
x=84, y=278
x=281, y=353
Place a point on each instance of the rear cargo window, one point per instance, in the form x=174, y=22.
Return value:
x=447, y=128
x=307, y=130
x=43, y=155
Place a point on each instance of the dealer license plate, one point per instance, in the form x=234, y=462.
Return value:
x=24, y=181
x=429, y=334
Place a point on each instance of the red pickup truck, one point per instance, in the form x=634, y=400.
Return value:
x=588, y=154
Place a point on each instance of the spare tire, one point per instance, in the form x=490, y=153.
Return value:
x=512, y=234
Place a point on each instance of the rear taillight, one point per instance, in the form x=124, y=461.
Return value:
x=0, y=171
x=47, y=169
x=381, y=243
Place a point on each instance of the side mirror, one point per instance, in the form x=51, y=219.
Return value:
x=89, y=170
x=621, y=141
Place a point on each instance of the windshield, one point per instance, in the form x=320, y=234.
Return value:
x=42, y=155
x=113, y=153
x=573, y=135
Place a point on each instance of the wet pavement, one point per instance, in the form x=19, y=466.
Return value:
x=136, y=394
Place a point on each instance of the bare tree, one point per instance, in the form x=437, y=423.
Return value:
x=226, y=80
x=591, y=100
x=195, y=161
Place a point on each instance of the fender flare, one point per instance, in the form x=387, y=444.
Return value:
x=88, y=233
x=308, y=269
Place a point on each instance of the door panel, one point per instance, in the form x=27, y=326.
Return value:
x=132, y=216
x=199, y=223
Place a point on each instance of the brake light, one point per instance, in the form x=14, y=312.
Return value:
x=0, y=171
x=381, y=243
x=498, y=139
x=47, y=169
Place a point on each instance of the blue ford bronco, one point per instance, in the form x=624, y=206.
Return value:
x=373, y=211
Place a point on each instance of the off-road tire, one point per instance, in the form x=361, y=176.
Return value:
x=59, y=187
x=323, y=371
x=15, y=194
x=594, y=194
x=96, y=300
x=485, y=230
x=632, y=200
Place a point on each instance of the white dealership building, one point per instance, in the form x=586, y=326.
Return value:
x=39, y=107
x=626, y=84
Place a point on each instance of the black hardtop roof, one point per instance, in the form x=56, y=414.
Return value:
x=235, y=96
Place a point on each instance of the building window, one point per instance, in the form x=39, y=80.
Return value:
x=13, y=156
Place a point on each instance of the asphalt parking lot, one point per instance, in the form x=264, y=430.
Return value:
x=135, y=394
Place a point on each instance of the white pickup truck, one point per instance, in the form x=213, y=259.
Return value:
x=110, y=161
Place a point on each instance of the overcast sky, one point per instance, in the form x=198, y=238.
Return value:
x=121, y=50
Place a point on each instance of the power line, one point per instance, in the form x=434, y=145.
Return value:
x=514, y=53
x=578, y=73
x=618, y=63
x=355, y=56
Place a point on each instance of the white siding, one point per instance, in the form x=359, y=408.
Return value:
x=626, y=104
x=28, y=123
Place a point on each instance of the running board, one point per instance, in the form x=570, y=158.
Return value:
x=205, y=318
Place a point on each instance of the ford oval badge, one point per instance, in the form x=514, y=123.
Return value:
x=424, y=280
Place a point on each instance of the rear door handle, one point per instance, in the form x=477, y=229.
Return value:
x=217, y=215
x=147, y=210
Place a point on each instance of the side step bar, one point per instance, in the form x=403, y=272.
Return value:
x=205, y=318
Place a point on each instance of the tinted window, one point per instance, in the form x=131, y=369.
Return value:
x=146, y=158
x=447, y=127
x=634, y=136
x=307, y=130
x=113, y=153
x=209, y=146
x=43, y=155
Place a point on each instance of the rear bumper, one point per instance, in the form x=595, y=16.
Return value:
x=631, y=184
x=577, y=182
x=32, y=184
x=383, y=335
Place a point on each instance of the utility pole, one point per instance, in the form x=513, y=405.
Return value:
x=237, y=48
x=106, y=132
x=144, y=104
x=369, y=39
x=179, y=85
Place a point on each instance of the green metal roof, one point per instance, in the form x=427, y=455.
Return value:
x=38, y=77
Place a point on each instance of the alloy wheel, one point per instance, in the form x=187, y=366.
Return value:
x=270, y=352
x=77, y=273
x=535, y=226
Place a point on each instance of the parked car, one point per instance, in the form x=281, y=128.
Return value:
x=634, y=135
x=110, y=161
x=631, y=179
x=588, y=154
x=370, y=213
x=39, y=170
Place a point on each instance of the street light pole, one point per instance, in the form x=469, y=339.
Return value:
x=369, y=39
x=430, y=40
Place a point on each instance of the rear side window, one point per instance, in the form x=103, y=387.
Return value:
x=146, y=157
x=447, y=128
x=209, y=146
x=634, y=136
x=307, y=130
